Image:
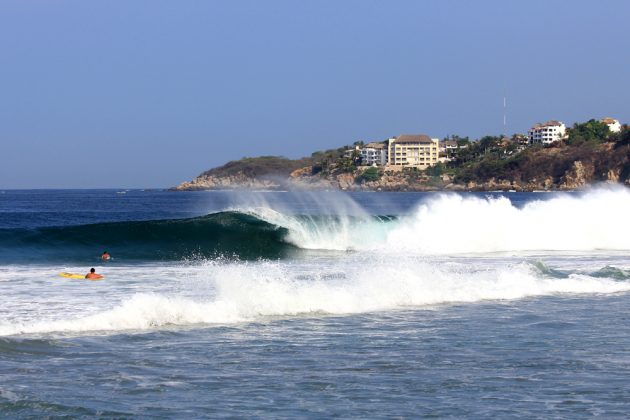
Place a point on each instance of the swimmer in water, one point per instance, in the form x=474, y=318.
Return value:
x=92, y=275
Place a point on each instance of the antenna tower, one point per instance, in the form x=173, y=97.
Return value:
x=504, y=113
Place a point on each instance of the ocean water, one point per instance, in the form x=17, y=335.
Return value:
x=311, y=305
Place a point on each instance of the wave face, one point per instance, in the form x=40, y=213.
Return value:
x=229, y=234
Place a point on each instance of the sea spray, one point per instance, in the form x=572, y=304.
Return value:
x=453, y=223
x=299, y=202
x=255, y=291
x=458, y=224
x=328, y=232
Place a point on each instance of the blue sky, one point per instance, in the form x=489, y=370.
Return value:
x=151, y=93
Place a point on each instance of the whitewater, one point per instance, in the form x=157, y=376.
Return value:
x=455, y=224
x=214, y=271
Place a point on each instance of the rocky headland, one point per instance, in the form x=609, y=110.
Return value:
x=560, y=167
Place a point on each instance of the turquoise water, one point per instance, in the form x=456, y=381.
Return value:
x=348, y=305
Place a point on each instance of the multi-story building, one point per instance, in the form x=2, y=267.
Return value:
x=547, y=133
x=613, y=124
x=448, y=146
x=413, y=150
x=448, y=150
x=374, y=153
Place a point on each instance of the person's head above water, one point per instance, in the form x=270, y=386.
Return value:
x=92, y=275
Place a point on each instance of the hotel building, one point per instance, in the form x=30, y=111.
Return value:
x=413, y=150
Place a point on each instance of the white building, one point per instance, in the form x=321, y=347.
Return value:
x=413, y=150
x=521, y=139
x=613, y=124
x=448, y=146
x=448, y=150
x=374, y=153
x=547, y=133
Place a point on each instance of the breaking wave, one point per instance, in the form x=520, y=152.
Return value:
x=244, y=292
x=443, y=224
x=463, y=224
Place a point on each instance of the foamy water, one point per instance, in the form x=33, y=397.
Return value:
x=460, y=305
x=225, y=293
x=453, y=223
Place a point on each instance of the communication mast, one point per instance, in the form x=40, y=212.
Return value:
x=505, y=133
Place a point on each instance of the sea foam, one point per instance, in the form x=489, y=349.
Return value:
x=245, y=292
x=455, y=224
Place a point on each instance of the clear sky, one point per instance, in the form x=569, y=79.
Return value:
x=151, y=93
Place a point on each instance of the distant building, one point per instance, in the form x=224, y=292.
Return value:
x=521, y=139
x=448, y=150
x=448, y=146
x=613, y=124
x=413, y=150
x=374, y=153
x=547, y=133
x=505, y=141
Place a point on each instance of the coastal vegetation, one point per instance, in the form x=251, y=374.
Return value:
x=591, y=144
x=371, y=174
x=588, y=153
x=262, y=166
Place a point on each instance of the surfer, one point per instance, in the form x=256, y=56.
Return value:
x=92, y=275
x=105, y=256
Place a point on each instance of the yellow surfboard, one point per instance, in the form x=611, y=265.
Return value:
x=75, y=276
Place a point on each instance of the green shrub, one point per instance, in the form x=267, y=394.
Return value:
x=371, y=174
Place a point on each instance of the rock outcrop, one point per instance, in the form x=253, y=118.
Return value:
x=238, y=181
x=578, y=176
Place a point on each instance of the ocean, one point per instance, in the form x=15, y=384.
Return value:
x=315, y=304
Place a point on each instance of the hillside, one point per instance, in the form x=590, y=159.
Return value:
x=492, y=163
x=259, y=172
x=264, y=172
